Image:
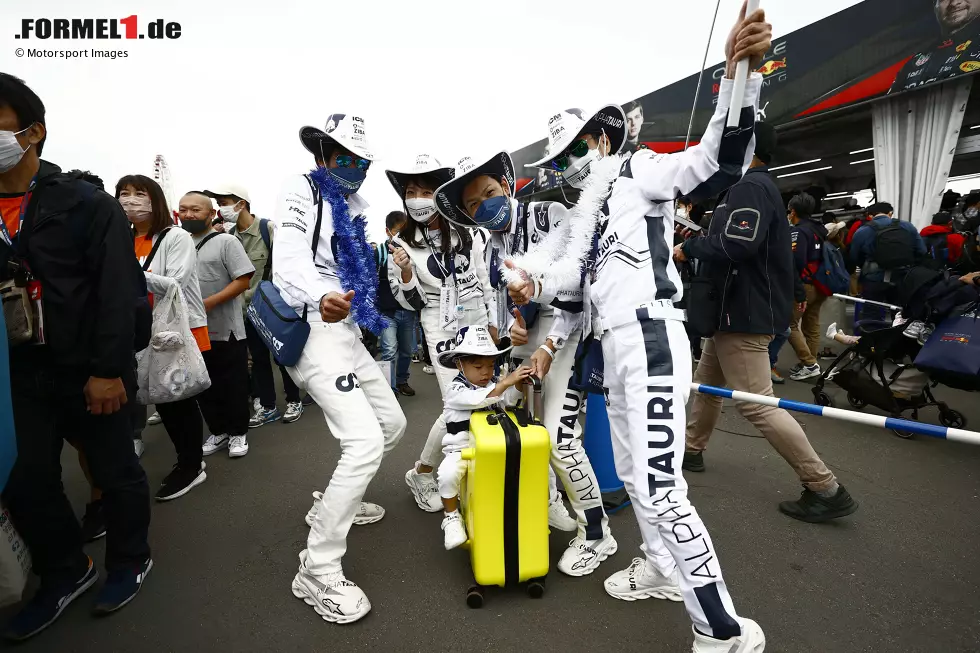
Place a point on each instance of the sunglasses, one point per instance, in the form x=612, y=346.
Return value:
x=578, y=148
x=344, y=161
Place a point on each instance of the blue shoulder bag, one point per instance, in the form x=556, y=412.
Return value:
x=283, y=331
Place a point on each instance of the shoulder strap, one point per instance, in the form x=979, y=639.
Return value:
x=264, y=232
x=319, y=224
x=156, y=246
x=213, y=234
x=267, y=239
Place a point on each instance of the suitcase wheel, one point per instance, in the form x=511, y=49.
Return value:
x=474, y=597
x=535, y=588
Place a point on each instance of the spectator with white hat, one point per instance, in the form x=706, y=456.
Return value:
x=256, y=236
x=323, y=268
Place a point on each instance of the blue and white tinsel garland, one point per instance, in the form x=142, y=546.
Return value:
x=355, y=259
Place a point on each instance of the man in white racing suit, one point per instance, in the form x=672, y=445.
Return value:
x=335, y=369
x=480, y=196
x=632, y=286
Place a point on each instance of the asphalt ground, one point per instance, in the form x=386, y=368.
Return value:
x=899, y=575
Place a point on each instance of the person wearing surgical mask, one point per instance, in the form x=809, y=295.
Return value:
x=257, y=236
x=438, y=271
x=67, y=243
x=167, y=255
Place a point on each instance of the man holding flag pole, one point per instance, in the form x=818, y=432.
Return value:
x=622, y=230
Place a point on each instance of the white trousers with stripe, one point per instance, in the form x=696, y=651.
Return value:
x=647, y=378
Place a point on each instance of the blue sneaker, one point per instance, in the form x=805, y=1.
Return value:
x=264, y=416
x=121, y=587
x=47, y=605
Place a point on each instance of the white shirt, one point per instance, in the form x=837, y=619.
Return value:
x=634, y=264
x=300, y=277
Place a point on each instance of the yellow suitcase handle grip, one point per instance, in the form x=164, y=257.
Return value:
x=468, y=454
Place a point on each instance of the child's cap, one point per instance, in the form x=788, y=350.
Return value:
x=471, y=341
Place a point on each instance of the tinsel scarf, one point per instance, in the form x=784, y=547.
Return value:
x=355, y=259
x=562, y=254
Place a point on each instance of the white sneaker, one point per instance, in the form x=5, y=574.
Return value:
x=256, y=405
x=428, y=369
x=367, y=513
x=641, y=580
x=154, y=419
x=558, y=517
x=214, y=443
x=425, y=489
x=138, y=447
x=752, y=640
x=294, y=410
x=806, y=372
x=454, y=531
x=237, y=446
x=334, y=598
x=311, y=513
x=582, y=557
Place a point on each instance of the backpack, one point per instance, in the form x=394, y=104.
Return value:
x=894, y=246
x=831, y=276
x=937, y=247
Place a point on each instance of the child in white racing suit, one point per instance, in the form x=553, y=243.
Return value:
x=474, y=388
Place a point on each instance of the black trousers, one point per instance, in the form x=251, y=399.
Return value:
x=262, y=384
x=49, y=405
x=225, y=404
x=184, y=425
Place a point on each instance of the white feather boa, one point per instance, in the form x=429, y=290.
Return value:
x=561, y=255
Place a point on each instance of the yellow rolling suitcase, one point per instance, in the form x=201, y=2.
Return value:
x=505, y=499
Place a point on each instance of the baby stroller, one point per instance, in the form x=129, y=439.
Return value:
x=878, y=371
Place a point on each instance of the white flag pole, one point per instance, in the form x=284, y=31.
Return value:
x=741, y=77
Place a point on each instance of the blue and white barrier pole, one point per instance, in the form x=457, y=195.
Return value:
x=945, y=433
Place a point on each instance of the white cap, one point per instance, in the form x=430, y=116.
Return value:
x=471, y=341
x=226, y=190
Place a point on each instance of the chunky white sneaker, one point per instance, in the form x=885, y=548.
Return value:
x=294, y=410
x=237, y=446
x=256, y=405
x=154, y=419
x=582, y=557
x=454, y=531
x=752, y=640
x=425, y=489
x=641, y=580
x=367, y=513
x=428, y=369
x=214, y=443
x=311, y=514
x=558, y=517
x=138, y=447
x=334, y=598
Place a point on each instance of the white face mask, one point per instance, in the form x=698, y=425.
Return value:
x=137, y=209
x=10, y=150
x=579, y=168
x=681, y=212
x=421, y=209
x=229, y=213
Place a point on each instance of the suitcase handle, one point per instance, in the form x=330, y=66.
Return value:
x=532, y=410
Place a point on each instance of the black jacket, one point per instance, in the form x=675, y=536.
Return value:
x=387, y=304
x=747, y=255
x=79, y=245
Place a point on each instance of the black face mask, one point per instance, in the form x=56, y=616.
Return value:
x=194, y=226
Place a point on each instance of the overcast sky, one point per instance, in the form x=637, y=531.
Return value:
x=226, y=100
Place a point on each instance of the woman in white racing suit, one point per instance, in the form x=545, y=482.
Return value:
x=439, y=271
